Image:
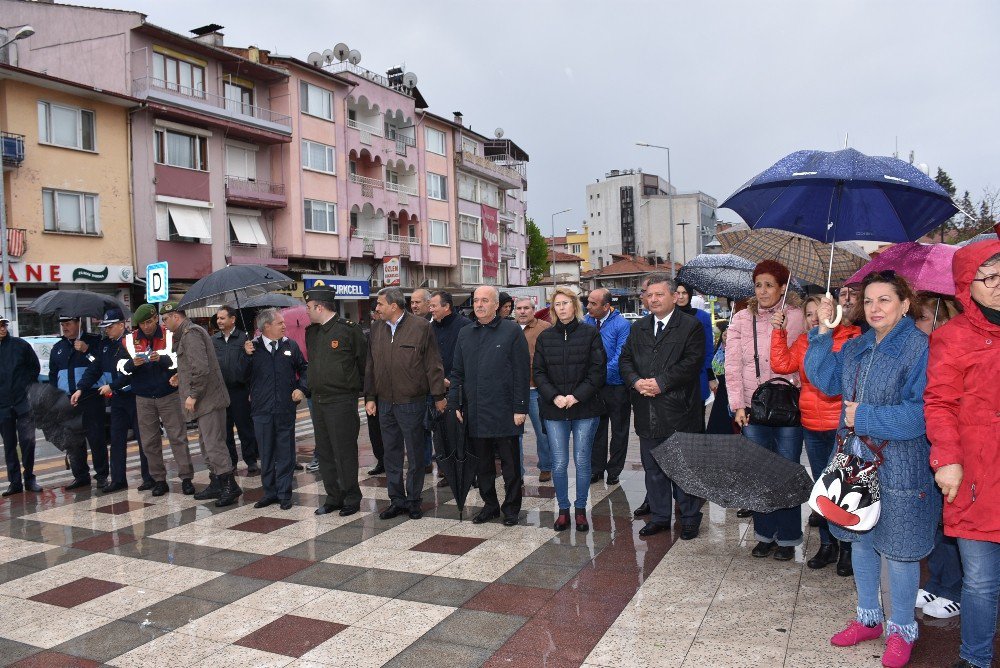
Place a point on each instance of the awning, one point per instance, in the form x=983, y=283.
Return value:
x=247, y=229
x=190, y=221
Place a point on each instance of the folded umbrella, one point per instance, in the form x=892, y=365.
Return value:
x=457, y=464
x=926, y=266
x=733, y=471
x=76, y=303
x=722, y=275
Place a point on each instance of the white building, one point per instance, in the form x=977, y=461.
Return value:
x=629, y=212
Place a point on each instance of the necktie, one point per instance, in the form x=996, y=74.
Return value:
x=274, y=347
x=659, y=328
x=598, y=325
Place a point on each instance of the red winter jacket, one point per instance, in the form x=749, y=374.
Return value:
x=962, y=405
x=819, y=411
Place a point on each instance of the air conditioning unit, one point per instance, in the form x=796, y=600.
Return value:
x=432, y=282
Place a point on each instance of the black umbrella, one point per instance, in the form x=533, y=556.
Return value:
x=53, y=414
x=733, y=471
x=234, y=284
x=76, y=303
x=457, y=465
x=275, y=299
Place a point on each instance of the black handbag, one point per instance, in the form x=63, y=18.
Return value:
x=776, y=402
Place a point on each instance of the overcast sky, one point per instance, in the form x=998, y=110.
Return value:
x=731, y=86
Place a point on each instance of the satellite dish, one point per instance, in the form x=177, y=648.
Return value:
x=315, y=59
x=409, y=79
x=354, y=56
x=341, y=51
x=328, y=56
x=498, y=133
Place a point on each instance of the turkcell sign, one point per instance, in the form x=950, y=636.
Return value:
x=346, y=288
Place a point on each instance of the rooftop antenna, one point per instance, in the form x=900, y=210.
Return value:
x=328, y=56
x=315, y=59
x=354, y=57
x=410, y=80
x=341, y=51
x=498, y=133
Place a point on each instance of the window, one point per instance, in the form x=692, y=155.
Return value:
x=574, y=249
x=468, y=188
x=183, y=76
x=321, y=216
x=469, y=228
x=315, y=101
x=241, y=162
x=437, y=186
x=181, y=150
x=239, y=98
x=471, y=269
x=435, y=141
x=66, y=126
x=71, y=212
x=470, y=146
x=318, y=156
x=440, y=232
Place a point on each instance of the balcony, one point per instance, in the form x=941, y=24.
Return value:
x=488, y=169
x=255, y=193
x=403, y=192
x=271, y=256
x=376, y=243
x=401, y=140
x=368, y=185
x=367, y=131
x=508, y=251
x=12, y=149
x=150, y=88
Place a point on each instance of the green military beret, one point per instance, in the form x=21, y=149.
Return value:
x=320, y=293
x=170, y=307
x=142, y=314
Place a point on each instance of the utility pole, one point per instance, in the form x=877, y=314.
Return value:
x=670, y=204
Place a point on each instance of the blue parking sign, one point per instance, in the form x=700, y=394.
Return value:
x=157, y=282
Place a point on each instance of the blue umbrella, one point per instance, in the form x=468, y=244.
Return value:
x=843, y=195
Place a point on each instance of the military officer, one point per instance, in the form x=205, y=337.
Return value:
x=337, y=355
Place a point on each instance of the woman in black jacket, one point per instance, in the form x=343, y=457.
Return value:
x=570, y=367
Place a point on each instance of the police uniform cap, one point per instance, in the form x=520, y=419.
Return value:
x=320, y=293
x=111, y=317
x=68, y=318
x=142, y=314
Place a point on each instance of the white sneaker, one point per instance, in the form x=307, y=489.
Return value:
x=923, y=598
x=942, y=608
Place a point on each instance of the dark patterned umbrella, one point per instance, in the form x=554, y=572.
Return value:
x=722, y=275
x=76, y=303
x=234, y=284
x=733, y=471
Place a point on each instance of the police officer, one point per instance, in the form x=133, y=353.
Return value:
x=229, y=342
x=107, y=374
x=337, y=354
x=18, y=369
x=68, y=361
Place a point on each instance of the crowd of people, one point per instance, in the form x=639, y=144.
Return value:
x=903, y=381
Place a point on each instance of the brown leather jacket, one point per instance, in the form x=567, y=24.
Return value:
x=404, y=368
x=531, y=332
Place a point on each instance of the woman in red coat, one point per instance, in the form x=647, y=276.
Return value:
x=962, y=408
x=820, y=417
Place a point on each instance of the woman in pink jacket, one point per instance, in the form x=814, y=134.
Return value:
x=780, y=530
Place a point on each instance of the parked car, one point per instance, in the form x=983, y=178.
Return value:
x=631, y=317
x=43, y=348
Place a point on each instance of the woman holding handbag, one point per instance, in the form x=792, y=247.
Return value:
x=748, y=369
x=882, y=375
x=820, y=418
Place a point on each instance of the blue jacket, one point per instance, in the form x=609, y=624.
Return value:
x=446, y=332
x=19, y=368
x=67, y=365
x=888, y=380
x=614, y=334
x=273, y=377
x=706, y=372
x=108, y=369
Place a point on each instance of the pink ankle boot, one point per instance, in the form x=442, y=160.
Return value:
x=897, y=652
x=856, y=632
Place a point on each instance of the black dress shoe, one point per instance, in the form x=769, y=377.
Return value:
x=597, y=477
x=612, y=480
x=652, y=528
x=392, y=511
x=254, y=470
x=763, y=549
x=265, y=502
x=146, y=485
x=428, y=469
x=32, y=486
x=690, y=532
x=11, y=491
x=327, y=508
x=485, y=516
x=784, y=553
x=509, y=520
x=443, y=482
x=101, y=482
x=743, y=512
x=113, y=487
x=641, y=510
x=78, y=483
x=416, y=513
x=160, y=488
x=826, y=555
x=286, y=504
x=378, y=470
x=347, y=511
x=844, y=567
x=187, y=486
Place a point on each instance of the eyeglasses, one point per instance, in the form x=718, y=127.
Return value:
x=990, y=281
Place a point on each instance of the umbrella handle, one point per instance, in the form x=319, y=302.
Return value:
x=838, y=318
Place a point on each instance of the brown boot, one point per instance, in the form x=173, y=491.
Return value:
x=545, y=476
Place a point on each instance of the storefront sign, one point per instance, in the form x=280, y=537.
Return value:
x=390, y=270
x=491, y=242
x=70, y=273
x=347, y=288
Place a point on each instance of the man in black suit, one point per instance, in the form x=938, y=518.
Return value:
x=660, y=364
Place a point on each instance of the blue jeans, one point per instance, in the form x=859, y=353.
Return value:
x=819, y=445
x=945, y=566
x=784, y=525
x=981, y=561
x=541, y=438
x=904, y=580
x=583, y=442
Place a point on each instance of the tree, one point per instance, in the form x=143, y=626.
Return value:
x=945, y=181
x=538, y=253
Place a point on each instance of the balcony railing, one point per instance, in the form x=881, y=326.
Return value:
x=368, y=235
x=402, y=240
x=511, y=175
x=368, y=185
x=508, y=251
x=141, y=88
x=12, y=148
x=263, y=193
x=367, y=131
x=401, y=188
x=236, y=249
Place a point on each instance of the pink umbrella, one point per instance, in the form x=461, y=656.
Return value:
x=926, y=266
x=296, y=321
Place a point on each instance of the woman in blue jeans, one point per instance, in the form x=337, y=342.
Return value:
x=569, y=369
x=881, y=375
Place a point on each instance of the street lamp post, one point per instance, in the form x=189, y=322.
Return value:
x=553, y=244
x=5, y=305
x=684, y=248
x=670, y=203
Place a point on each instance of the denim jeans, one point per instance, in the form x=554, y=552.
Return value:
x=981, y=561
x=784, y=525
x=945, y=567
x=583, y=442
x=819, y=445
x=541, y=438
x=904, y=580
